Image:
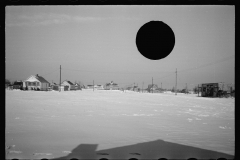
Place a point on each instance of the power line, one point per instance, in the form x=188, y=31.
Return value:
x=50, y=72
x=204, y=65
x=77, y=70
x=208, y=64
x=168, y=75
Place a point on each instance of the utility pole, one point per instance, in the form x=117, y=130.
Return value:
x=186, y=87
x=198, y=90
x=176, y=83
x=152, y=84
x=60, y=80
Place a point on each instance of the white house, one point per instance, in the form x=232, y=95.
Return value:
x=36, y=81
x=99, y=86
x=77, y=86
x=70, y=85
x=111, y=86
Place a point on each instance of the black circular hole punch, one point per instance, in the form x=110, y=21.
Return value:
x=155, y=40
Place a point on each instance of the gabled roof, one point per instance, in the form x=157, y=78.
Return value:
x=111, y=84
x=17, y=83
x=41, y=79
x=68, y=82
x=154, y=85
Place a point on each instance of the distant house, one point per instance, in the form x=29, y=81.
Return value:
x=70, y=85
x=7, y=83
x=159, y=90
x=77, y=86
x=152, y=87
x=17, y=85
x=54, y=86
x=89, y=86
x=135, y=88
x=98, y=87
x=129, y=88
x=111, y=86
x=36, y=82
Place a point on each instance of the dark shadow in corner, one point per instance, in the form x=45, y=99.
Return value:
x=147, y=150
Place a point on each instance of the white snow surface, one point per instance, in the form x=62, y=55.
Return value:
x=42, y=124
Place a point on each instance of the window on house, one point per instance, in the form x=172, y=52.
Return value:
x=34, y=83
x=29, y=83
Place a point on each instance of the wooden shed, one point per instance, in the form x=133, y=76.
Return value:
x=209, y=89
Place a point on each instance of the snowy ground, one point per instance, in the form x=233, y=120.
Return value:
x=51, y=124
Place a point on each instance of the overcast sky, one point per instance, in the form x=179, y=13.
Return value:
x=98, y=43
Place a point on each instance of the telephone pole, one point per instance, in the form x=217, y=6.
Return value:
x=186, y=88
x=198, y=90
x=152, y=84
x=60, y=80
x=176, y=83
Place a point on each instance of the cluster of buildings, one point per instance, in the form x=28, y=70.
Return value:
x=36, y=82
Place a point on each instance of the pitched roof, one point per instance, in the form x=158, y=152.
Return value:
x=111, y=84
x=152, y=86
x=41, y=79
x=70, y=83
x=17, y=83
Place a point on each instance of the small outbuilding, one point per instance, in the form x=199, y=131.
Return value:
x=77, y=86
x=111, y=86
x=209, y=89
x=17, y=85
x=152, y=87
x=99, y=87
x=69, y=85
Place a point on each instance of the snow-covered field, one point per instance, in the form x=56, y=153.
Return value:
x=51, y=124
